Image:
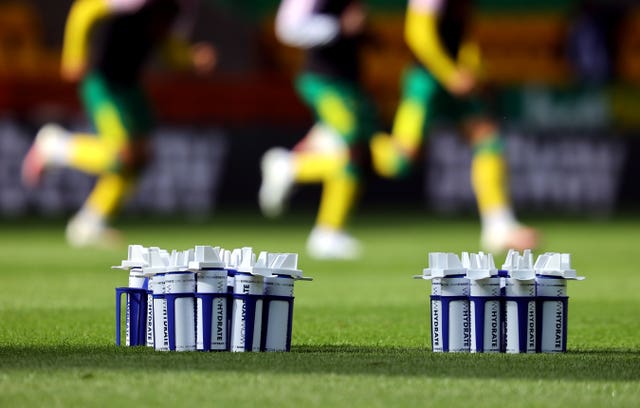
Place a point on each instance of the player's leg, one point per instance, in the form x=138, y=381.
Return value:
x=54, y=146
x=328, y=239
x=50, y=148
x=489, y=177
x=336, y=107
x=116, y=155
x=321, y=138
x=345, y=109
x=319, y=153
x=393, y=155
x=313, y=157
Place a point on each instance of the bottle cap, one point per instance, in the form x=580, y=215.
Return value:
x=479, y=266
x=519, y=267
x=137, y=257
x=206, y=257
x=556, y=264
x=158, y=261
x=442, y=264
x=271, y=264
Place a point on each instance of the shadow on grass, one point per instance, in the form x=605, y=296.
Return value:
x=595, y=365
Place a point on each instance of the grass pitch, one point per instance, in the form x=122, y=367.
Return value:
x=360, y=335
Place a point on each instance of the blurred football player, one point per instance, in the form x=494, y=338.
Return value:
x=108, y=65
x=446, y=60
x=331, y=33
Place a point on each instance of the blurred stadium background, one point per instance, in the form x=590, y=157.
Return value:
x=567, y=90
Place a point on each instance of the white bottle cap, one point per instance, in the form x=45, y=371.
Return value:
x=240, y=259
x=270, y=264
x=442, y=264
x=520, y=267
x=206, y=256
x=179, y=260
x=556, y=264
x=138, y=257
x=479, y=266
x=158, y=261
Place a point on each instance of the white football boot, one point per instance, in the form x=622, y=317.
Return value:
x=501, y=232
x=277, y=181
x=327, y=243
x=48, y=148
x=87, y=229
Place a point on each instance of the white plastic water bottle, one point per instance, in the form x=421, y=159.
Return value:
x=520, y=303
x=450, y=312
x=280, y=272
x=485, y=303
x=179, y=289
x=248, y=292
x=136, y=294
x=160, y=321
x=552, y=272
x=211, y=297
x=156, y=270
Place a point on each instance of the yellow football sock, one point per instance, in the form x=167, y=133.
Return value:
x=90, y=154
x=339, y=187
x=312, y=167
x=489, y=181
x=393, y=154
x=338, y=196
x=384, y=157
x=107, y=195
x=408, y=125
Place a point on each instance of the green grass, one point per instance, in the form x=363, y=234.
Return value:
x=360, y=329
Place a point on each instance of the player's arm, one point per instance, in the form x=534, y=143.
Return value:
x=470, y=57
x=422, y=37
x=176, y=52
x=299, y=25
x=83, y=16
x=179, y=52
